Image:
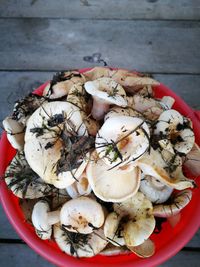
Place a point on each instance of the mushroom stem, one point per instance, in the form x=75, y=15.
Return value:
x=53, y=217
x=99, y=108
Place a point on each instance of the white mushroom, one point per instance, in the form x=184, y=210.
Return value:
x=96, y=73
x=122, y=139
x=154, y=190
x=192, y=160
x=48, y=143
x=80, y=98
x=153, y=164
x=132, y=81
x=119, y=111
x=15, y=132
x=43, y=219
x=105, y=92
x=81, y=187
x=174, y=127
x=167, y=102
x=62, y=83
x=149, y=107
x=24, y=107
x=79, y=245
x=178, y=202
x=140, y=222
x=82, y=215
x=112, y=184
x=112, y=231
x=23, y=181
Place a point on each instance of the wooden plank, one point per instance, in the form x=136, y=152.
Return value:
x=51, y=44
x=6, y=229
x=184, y=259
x=94, y=9
x=14, y=255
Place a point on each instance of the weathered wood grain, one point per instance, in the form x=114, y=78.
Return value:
x=20, y=255
x=51, y=44
x=94, y=9
x=6, y=229
x=13, y=255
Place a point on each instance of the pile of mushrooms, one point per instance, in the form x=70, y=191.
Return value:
x=98, y=159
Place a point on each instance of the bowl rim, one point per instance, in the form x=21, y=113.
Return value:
x=49, y=254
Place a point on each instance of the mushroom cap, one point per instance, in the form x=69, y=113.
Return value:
x=23, y=181
x=82, y=215
x=85, y=246
x=112, y=185
x=63, y=84
x=178, y=130
x=40, y=219
x=15, y=132
x=96, y=73
x=129, y=134
x=80, y=187
x=107, y=90
x=79, y=97
x=111, y=227
x=153, y=164
x=145, y=250
x=141, y=221
x=119, y=111
x=43, y=159
x=192, y=160
x=178, y=202
x=154, y=190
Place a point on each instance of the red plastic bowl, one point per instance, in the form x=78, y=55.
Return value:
x=168, y=242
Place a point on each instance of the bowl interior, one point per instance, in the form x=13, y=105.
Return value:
x=168, y=242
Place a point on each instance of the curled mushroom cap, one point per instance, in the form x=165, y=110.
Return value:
x=81, y=187
x=80, y=245
x=62, y=83
x=43, y=219
x=112, y=184
x=105, y=92
x=82, y=215
x=140, y=220
x=155, y=190
x=50, y=134
x=122, y=139
x=15, y=132
x=178, y=202
x=23, y=181
x=172, y=125
x=153, y=164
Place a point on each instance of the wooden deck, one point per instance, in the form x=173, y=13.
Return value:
x=39, y=37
